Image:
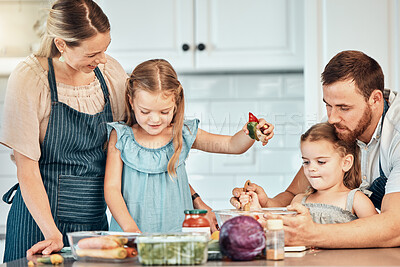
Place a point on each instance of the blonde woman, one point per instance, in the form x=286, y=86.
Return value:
x=57, y=104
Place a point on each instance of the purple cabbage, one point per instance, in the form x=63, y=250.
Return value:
x=241, y=238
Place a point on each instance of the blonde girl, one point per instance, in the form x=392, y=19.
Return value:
x=146, y=186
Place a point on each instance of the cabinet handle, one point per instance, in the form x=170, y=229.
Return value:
x=201, y=46
x=185, y=47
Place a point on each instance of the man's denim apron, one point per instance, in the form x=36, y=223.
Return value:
x=72, y=165
x=378, y=185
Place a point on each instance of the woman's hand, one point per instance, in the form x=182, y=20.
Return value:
x=46, y=246
x=37, y=202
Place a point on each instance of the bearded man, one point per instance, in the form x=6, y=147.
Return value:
x=362, y=111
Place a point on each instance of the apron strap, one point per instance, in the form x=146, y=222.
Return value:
x=379, y=184
x=103, y=83
x=52, y=81
x=8, y=196
x=53, y=85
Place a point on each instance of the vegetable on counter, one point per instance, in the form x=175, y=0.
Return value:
x=131, y=252
x=102, y=242
x=114, y=253
x=172, y=249
x=52, y=259
x=215, y=235
x=242, y=238
x=255, y=133
x=105, y=247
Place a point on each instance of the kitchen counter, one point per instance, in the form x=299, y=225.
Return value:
x=334, y=257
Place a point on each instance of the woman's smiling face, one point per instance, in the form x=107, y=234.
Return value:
x=89, y=54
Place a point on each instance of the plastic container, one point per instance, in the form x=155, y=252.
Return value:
x=196, y=221
x=275, y=243
x=224, y=215
x=172, y=249
x=102, y=255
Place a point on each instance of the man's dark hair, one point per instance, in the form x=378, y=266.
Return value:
x=355, y=65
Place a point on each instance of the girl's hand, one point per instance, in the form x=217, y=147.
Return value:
x=134, y=229
x=249, y=197
x=261, y=195
x=199, y=204
x=254, y=202
x=269, y=132
x=244, y=198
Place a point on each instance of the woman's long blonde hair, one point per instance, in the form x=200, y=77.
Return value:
x=158, y=76
x=325, y=131
x=73, y=21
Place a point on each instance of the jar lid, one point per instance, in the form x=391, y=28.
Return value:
x=195, y=211
x=275, y=224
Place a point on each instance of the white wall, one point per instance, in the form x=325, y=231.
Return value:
x=222, y=103
x=332, y=26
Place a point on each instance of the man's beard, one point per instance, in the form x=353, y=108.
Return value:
x=351, y=136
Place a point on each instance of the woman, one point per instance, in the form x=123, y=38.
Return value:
x=57, y=104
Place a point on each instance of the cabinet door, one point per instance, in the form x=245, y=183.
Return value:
x=142, y=30
x=253, y=34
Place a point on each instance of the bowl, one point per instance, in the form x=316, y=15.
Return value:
x=226, y=214
x=103, y=246
x=173, y=248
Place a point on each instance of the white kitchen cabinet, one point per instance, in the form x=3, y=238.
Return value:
x=207, y=35
x=142, y=30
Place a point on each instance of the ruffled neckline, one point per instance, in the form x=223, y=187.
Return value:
x=147, y=148
x=150, y=160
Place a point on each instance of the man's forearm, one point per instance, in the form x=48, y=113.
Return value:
x=281, y=200
x=374, y=231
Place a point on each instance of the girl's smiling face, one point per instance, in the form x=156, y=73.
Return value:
x=323, y=166
x=153, y=111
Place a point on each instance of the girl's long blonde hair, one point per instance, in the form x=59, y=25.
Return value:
x=325, y=131
x=158, y=76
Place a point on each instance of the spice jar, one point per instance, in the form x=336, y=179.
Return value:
x=275, y=245
x=196, y=221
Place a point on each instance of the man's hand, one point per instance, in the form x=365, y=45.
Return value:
x=262, y=196
x=300, y=229
x=46, y=246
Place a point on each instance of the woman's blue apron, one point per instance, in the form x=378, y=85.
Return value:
x=378, y=185
x=72, y=165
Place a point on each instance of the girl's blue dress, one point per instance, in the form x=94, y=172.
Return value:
x=155, y=200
